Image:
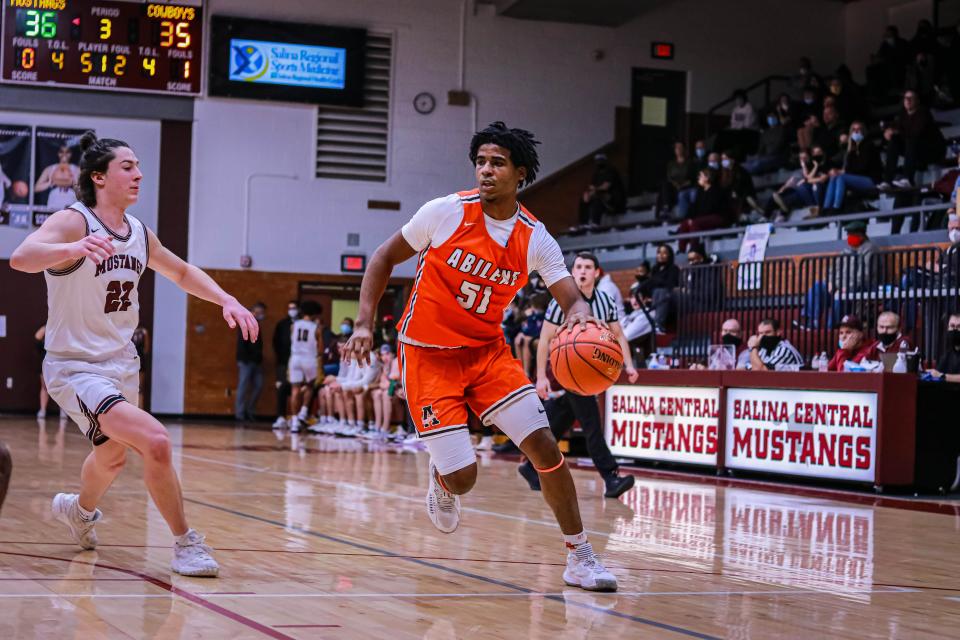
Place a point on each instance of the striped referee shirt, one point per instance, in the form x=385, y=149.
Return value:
x=784, y=357
x=602, y=307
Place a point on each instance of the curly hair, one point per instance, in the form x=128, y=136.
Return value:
x=519, y=142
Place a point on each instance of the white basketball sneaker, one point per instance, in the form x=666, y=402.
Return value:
x=443, y=507
x=193, y=558
x=589, y=573
x=67, y=511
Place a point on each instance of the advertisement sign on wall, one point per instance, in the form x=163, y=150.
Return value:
x=675, y=424
x=821, y=434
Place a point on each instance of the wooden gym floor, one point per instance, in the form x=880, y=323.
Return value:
x=327, y=539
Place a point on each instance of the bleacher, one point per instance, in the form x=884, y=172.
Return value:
x=623, y=240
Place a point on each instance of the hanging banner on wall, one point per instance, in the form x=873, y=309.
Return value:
x=56, y=165
x=675, y=424
x=14, y=169
x=820, y=434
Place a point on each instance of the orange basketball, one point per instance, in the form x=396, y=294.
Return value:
x=586, y=361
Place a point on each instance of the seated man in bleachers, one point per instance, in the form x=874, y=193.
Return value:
x=770, y=351
x=604, y=195
x=889, y=337
x=915, y=137
x=730, y=335
x=852, y=347
x=948, y=364
x=860, y=173
x=772, y=150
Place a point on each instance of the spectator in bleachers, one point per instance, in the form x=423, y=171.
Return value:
x=948, y=364
x=889, y=337
x=853, y=270
x=743, y=115
x=609, y=287
x=701, y=288
x=772, y=149
x=711, y=210
x=810, y=104
x=803, y=78
x=642, y=275
x=915, y=137
x=808, y=128
x=770, y=351
x=638, y=325
x=860, y=173
x=848, y=103
x=525, y=344
x=786, y=113
x=664, y=279
x=700, y=154
x=713, y=161
x=355, y=383
x=852, y=345
x=512, y=321
x=681, y=173
x=887, y=66
x=921, y=77
x=604, y=195
x=831, y=134
x=738, y=184
x=804, y=188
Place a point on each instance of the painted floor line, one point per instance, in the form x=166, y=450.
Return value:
x=433, y=565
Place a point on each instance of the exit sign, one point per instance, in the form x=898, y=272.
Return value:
x=662, y=50
x=353, y=263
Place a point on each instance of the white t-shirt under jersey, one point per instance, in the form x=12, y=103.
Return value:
x=436, y=221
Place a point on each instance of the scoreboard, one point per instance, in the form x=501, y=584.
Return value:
x=102, y=44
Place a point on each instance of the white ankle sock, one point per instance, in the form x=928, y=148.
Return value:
x=85, y=515
x=181, y=540
x=575, y=541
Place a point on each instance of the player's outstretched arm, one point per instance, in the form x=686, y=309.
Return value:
x=59, y=242
x=197, y=283
x=388, y=255
x=575, y=308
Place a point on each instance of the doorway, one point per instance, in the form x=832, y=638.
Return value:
x=658, y=104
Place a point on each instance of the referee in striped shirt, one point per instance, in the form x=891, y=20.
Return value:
x=562, y=411
x=770, y=351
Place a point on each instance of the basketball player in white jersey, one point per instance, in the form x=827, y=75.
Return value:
x=59, y=179
x=304, y=361
x=93, y=254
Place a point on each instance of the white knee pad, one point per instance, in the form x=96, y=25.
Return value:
x=521, y=417
x=451, y=451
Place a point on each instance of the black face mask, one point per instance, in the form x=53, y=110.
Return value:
x=887, y=338
x=817, y=158
x=953, y=338
x=769, y=343
x=729, y=338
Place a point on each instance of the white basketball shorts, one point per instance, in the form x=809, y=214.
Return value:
x=87, y=390
x=302, y=369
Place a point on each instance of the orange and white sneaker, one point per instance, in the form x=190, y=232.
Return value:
x=588, y=573
x=443, y=507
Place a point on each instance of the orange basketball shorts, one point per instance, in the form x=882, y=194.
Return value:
x=441, y=383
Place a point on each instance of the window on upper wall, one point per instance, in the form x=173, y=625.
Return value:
x=353, y=142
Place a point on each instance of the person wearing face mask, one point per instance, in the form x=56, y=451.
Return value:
x=772, y=149
x=249, y=369
x=860, y=172
x=281, y=353
x=948, y=364
x=700, y=154
x=346, y=327
x=711, y=210
x=660, y=287
x=855, y=269
x=851, y=346
x=739, y=184
x=889, y=338
x=810, y=105
x=914, y=136
x=770, y=351
x=641, y=274
x=731, y=335
x=802, y=79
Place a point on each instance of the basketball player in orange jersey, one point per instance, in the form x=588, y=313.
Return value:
x=475, y=251
x=93, y=254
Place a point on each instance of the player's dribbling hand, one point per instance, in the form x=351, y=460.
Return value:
x=237, y=315
x=358, y=346
x=543, y=387
x=583, y=319
x=632, y=374
x=94, y=247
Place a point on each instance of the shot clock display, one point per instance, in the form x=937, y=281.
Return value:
x=102, y=44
